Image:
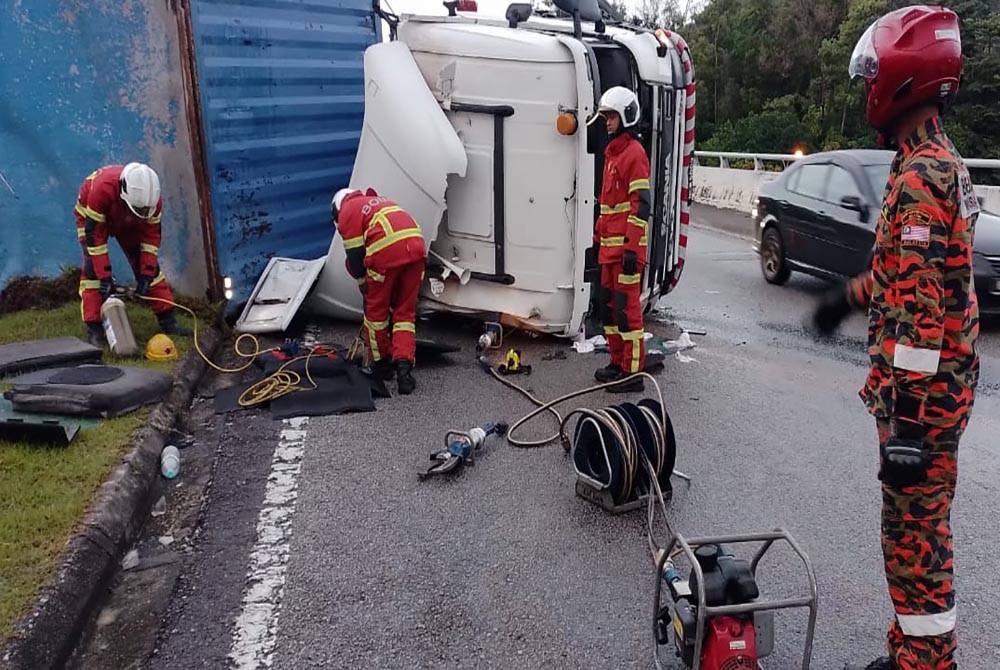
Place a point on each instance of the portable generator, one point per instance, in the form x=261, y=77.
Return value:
x=716, y=619
x=730, y=640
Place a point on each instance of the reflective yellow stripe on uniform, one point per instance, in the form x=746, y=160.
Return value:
x=638, y=185
x=99, y=250
x=610, y=330
x=643, y=241
x=159, y=278
x=635, y=337
x=375, y=276
x=380, y=219
x=90, y=285
x=629, y=279
x=405, y=326
x=391, y=239
x=636, y=221
x=376, y=325
x=613, y=241
x=149, y=248
x=154, y=220
x=88, y=213
x=354, y=242
x=81, y=233
x=621, y=208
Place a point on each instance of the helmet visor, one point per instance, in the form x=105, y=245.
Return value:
x=864, y=60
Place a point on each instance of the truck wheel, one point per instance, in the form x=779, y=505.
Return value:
x=773, y=264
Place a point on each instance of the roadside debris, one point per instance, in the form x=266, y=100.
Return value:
x=166, y=540
x=170, y=461
x=590, y=345
x=131, y=560
x=159, y=508
x=685, y=359
x=558, y=355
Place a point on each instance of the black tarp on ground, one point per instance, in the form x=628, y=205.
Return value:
x=22, y=356
x=340, y=388
x=134, y=388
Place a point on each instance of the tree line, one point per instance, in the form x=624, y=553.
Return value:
x=772, y=74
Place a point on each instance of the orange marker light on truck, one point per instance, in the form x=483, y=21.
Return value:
x=566, y=123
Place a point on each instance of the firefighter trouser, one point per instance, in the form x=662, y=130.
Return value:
x=393, y=293
x=918, y=553
x=90, y=285
x=622, y=316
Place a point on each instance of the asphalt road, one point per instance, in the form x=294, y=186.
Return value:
x=502, y=566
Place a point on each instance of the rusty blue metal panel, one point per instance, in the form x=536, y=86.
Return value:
x=87, y=83
x=282, y=96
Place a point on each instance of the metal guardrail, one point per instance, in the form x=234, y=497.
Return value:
x=724, y=158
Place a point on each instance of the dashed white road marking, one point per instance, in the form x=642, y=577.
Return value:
x=255, y=633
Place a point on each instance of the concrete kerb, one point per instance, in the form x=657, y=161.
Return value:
x=45, y=637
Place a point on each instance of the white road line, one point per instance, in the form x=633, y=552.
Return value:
x=255, y=633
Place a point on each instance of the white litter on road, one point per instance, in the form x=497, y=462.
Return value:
x=587, y=346
x=685, y=359
x=255, y=633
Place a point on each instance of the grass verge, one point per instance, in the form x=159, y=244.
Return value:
x=44, y=492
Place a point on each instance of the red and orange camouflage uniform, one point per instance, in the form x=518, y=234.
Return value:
x=923, y=325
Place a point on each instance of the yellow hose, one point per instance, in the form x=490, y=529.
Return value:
x=279, y=383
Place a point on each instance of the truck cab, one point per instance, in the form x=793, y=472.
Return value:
x=477, y=127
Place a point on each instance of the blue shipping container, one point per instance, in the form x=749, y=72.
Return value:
x=86, y=84
x=281, y=84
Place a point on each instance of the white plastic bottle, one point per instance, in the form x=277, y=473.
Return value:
x=170, y=461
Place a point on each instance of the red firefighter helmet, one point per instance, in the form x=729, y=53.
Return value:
x=908, y=57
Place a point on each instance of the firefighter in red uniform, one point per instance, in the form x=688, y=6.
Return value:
x=386, y=254
x=122, y=202
x=621, y=237
x=923, y=323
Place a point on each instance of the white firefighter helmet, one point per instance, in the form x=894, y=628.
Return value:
x=621, y=100
x=140, y=189
x=338, y=199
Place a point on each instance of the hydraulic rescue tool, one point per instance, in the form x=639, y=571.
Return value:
x=460, y=448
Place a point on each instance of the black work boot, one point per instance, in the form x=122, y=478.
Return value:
x=96, y=336
x=637, y=385
x=608, y=373
x=169, y=325
x=405, y=383
x=882, y=663
x=382, y=369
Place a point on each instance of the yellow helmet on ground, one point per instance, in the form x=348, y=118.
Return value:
x=161, y=348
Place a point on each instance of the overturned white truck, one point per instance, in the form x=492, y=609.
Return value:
x=477, y=127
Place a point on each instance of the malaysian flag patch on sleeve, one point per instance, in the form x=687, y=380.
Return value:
x=916, y=230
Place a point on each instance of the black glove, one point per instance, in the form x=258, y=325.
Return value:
x=630, y=263
x=142, y=287
x=904, y=456
x=832, y=308
x=107, y=286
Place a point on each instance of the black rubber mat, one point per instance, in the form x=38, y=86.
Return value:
x=86, y=375
x=336, y=393
x=38, y=431
x=133, y=389
x=22, y=356
x=340, y=388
